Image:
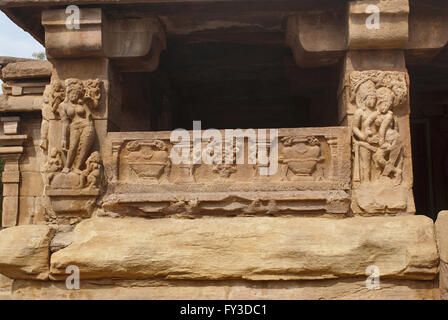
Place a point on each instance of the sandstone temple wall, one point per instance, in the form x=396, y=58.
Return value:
x=80, y=190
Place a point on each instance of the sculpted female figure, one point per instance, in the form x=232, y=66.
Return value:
x=78, y=132
x=365, y=138
x=388, y=156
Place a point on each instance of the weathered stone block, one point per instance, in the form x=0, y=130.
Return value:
x=10, y=124
x=27, y=69
x=10, y=189
x=302, y=30
x=11, y=177
x=24, y=252
x=350, y=289
x=27, y=210
x=392, y=31
x=262, y=248
x=5, y=287
x=441, y=227
x=33, y=160
x=86, y=40
x=31, y=184
x=10, y=209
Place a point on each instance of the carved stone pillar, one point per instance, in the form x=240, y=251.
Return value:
x=11, y=151
x=84, y=99
x=374, y=103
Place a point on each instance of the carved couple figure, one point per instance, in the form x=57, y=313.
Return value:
x=377, y=144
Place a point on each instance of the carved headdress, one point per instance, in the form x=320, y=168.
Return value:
x=393, y=80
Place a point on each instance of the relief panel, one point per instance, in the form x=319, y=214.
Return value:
x=382, y=167
x=73, y=170
x=313, y=175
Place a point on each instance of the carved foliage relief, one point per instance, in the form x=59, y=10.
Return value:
x=378, y=146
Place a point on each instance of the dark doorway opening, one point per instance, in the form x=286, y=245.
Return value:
x=429, y=134
x=228, y=85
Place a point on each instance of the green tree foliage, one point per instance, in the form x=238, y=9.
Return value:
x=39, y=55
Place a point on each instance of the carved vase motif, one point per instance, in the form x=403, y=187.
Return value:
x=301, y=156
x=149, y=160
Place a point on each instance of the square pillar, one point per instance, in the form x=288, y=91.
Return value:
x=11, y=151
x=374, y=103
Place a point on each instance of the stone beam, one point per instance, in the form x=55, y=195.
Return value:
x=419, y=28
x=302, y=30
x=135, y=44
x=131, y=42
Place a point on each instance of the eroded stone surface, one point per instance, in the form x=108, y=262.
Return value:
x=27, y=69
x=5, y=288
x=250, y=248
x=62, y=240
x=24, y=252
x=315, y=163
x=392, y=30
x=352, y=289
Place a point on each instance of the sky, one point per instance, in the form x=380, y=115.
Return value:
x=15, y=42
